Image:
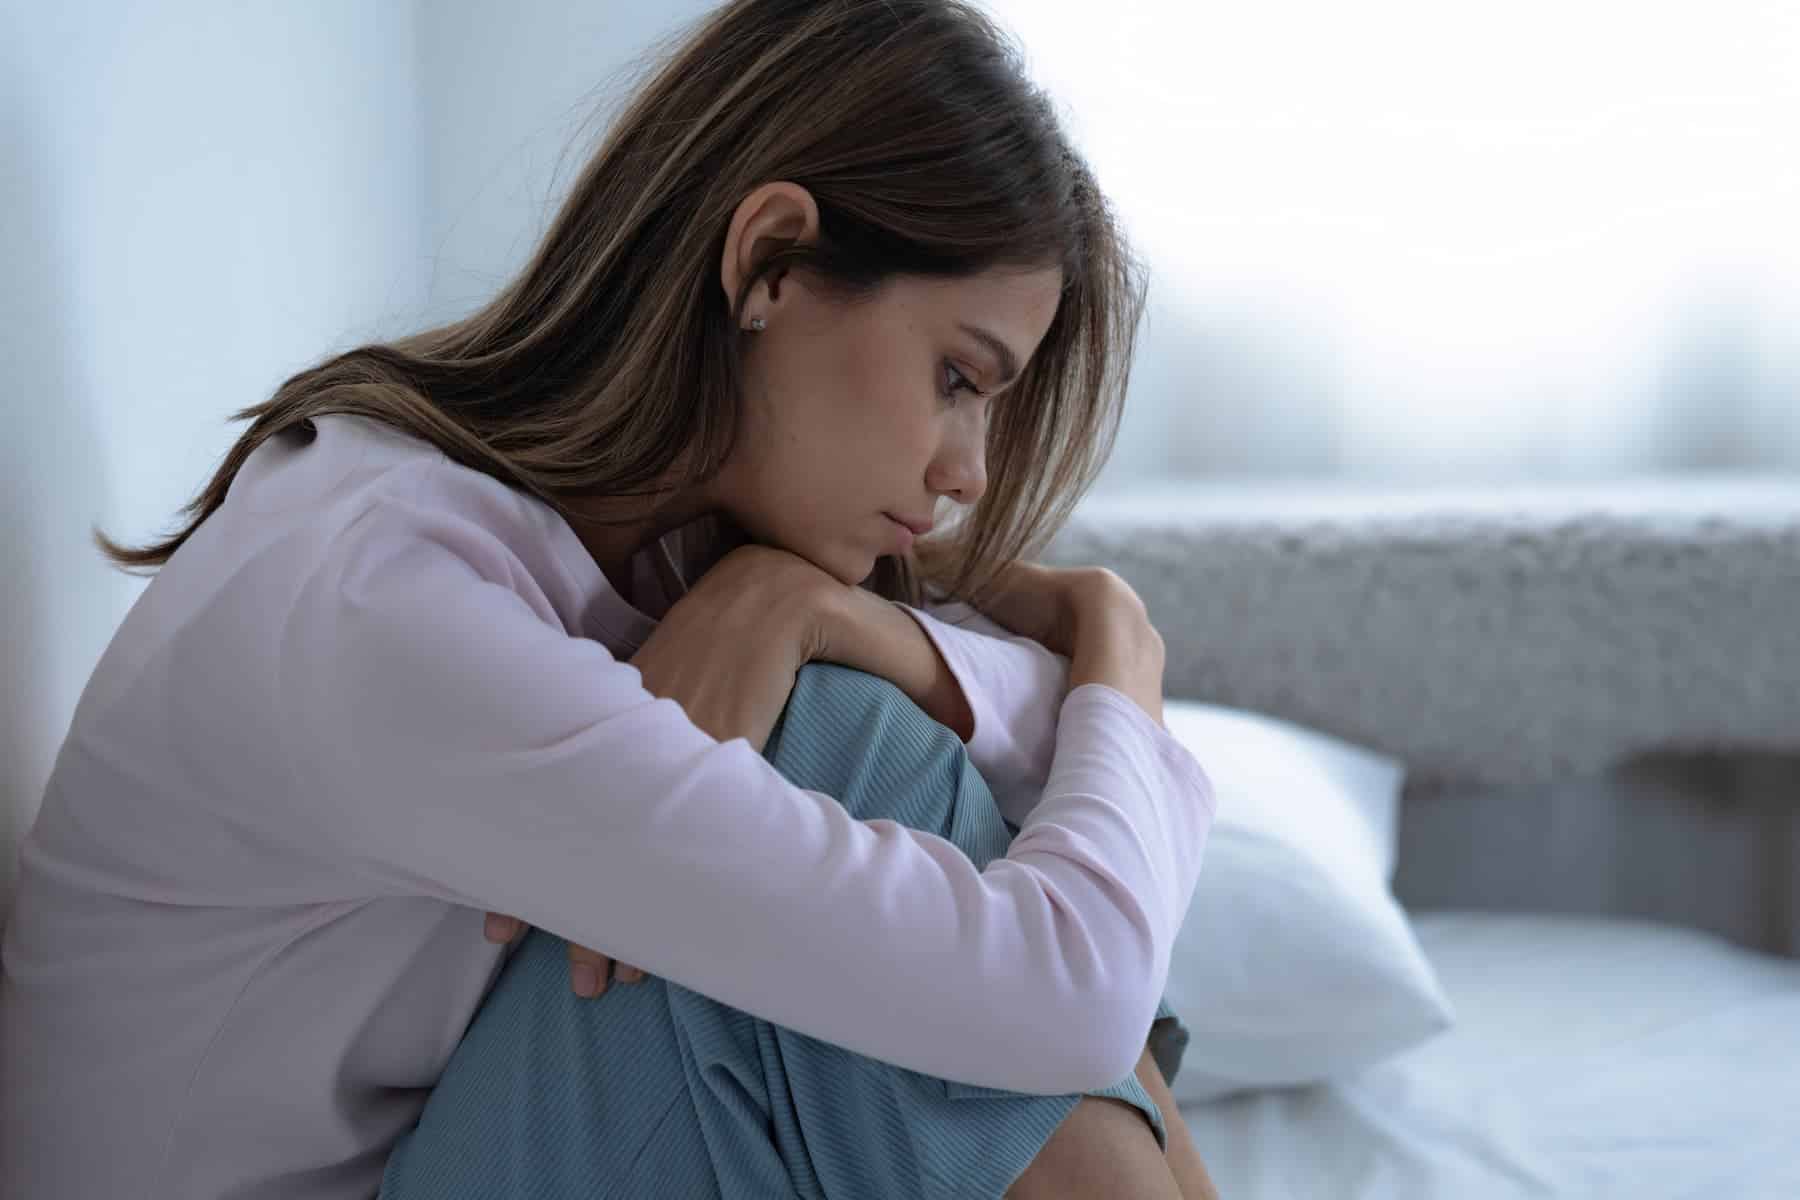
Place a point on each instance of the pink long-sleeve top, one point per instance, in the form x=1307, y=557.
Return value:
x=378, y=693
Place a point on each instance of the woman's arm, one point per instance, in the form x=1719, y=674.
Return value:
x=1001, y=694
x=447, y=740
x=997, y=690
x=883, y=638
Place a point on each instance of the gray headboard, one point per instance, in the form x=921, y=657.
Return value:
x=1490, y=636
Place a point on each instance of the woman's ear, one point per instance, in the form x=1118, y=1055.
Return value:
x=771, y=218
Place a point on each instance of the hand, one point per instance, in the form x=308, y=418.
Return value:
x=589, y=970
x=729, y=649
x=1049, y=604
x=727, y=652
x=1091, y=616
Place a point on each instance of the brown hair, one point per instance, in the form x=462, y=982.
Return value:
x=613, y=356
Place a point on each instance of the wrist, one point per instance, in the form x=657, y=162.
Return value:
x=1116, y=645
x=880, y=637
x=829, y=614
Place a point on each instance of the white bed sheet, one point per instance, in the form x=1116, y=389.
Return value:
x=1591, y=1058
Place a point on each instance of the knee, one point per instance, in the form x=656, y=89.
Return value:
x=859, y=738
x=830, y=699
x=833, y=684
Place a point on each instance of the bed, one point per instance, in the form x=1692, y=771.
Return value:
x=1595, y=690
x=1591, y=1057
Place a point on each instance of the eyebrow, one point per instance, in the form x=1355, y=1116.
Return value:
x=1009, y=363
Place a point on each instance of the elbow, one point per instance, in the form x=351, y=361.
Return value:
x=1099, y=991
x=1090, y=1042
x=1108, y=1036
x=1119, y=1041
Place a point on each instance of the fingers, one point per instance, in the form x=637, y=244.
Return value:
x=501, y=928
x=588, y=971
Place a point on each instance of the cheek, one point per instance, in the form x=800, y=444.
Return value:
x=857, y=432
x=842, y=424
x=893, y=417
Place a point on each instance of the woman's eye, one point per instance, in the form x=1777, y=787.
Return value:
x=955, y=381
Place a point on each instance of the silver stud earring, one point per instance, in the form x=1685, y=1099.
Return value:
x=757, y=324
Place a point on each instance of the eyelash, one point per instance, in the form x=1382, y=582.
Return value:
x=962, y=381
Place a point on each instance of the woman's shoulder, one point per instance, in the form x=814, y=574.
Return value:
x=352, y=493
x=360, y=463
x=346, y=474
x=406, y=490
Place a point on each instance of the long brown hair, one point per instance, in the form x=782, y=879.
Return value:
x=613, y=358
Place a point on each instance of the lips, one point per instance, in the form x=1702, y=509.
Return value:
x=919, y=527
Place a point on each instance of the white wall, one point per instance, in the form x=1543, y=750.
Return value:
x=515, y=99
x=195, y=201
x=200, y=199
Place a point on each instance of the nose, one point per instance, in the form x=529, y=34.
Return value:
x=960, y=468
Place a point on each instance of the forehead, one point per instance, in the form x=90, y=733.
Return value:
x=1016, y=304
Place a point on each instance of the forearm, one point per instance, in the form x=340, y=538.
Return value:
x=1122, y=651
x=1001, y=690
x=875, y=635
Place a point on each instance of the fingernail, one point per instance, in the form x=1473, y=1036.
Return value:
x=495, y=928
x=587, y=980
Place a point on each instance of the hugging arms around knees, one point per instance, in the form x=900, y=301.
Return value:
x=728, y=650
x=428, y=705
x=1070, y=932
x=834, y=265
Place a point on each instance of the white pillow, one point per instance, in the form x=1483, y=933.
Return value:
x=1295, y=963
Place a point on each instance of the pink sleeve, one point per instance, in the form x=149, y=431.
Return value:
x=450, y=741
x=1015, y=689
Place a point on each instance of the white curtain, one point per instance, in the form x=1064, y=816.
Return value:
x=1408, y=238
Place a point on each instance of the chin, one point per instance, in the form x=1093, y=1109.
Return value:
x=847, y=564
x=855, y=577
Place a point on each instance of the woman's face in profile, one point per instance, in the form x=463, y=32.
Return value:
x=859, y=413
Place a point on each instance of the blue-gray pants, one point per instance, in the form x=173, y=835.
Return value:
x=654, y=1090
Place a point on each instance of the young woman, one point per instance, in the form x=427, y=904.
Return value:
x=424, y=650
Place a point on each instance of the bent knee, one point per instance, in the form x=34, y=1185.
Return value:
x=830, y=700
x=820, y=684
x=860, y=739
